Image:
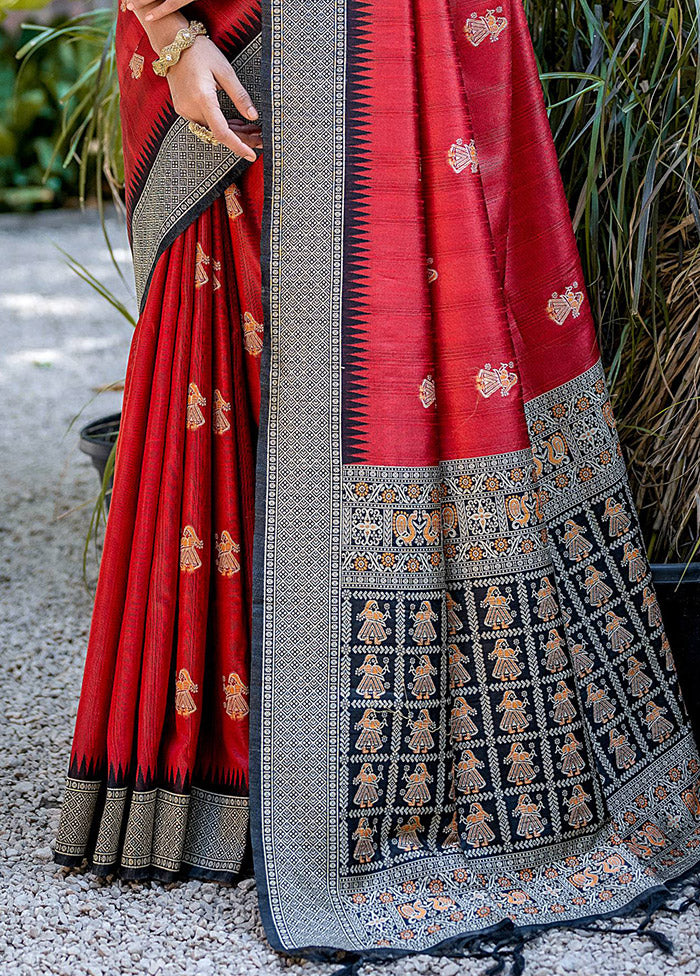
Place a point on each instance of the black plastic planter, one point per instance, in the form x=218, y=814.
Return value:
x=677, y=585
x=678, y=589
x=96, y=440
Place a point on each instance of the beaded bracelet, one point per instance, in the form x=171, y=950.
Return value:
x=184, y=38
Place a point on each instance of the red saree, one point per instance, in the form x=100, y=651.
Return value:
x=465, y=720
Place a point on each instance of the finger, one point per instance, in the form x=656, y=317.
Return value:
x=239, y=124
x=251, y=139
x=164, y=8
x=231, y=84
x=140, y=4
x=220, y=129
x=250, y=134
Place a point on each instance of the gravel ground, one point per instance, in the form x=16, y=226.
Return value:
x=59, y=341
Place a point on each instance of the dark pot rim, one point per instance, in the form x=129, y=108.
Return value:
x=676, y=572
x=97, y=437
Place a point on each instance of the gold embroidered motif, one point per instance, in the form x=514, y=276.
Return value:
x=235, y=704
x=432, y=273
x=185, y=688
x=370, y=738
x=478, y=28
x=478, y=834
x=252, y=332
x=201, y=262
x=195, y=400
x=189, y=544
x=136, y=65
x=372, y=684
x=232, y=196
x=226, y=546
x=560, y=307
x=373, y=629
x=530, y=824
x=579, y=811
x=220, y=422
x=365, y=848
x=417, y=793
x=490, y=380
x=366, y=794
x=426, y=391
x=407, y=834
x=462, y=154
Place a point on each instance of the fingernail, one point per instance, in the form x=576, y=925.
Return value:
x=149, y=16
x=252, y=112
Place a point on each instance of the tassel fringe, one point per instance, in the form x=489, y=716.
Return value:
x=505, y=944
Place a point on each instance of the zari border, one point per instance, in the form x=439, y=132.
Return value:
x=299, y=199
x=152, y=833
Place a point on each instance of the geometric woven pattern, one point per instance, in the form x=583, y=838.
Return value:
x=77, y=813
x=493, y=718
x=154, y=833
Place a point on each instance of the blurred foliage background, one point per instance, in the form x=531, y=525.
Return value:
x=622, y=84
x=58, y=103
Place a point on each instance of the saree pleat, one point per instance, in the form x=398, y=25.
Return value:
x=159, y=769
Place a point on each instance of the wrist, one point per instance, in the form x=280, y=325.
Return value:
x=161, y=32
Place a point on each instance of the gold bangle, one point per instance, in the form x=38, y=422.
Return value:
x=184, y=38
x=201, y=131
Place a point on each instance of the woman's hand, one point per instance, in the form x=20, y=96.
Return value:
x=194, y=81
x=160, y=9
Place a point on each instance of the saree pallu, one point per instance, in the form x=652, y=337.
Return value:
x=465, y=719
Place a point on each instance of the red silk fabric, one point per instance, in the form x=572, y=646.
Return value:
x=151, y=620
x=502, y=231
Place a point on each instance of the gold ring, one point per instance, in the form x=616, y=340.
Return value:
x=201, y=131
